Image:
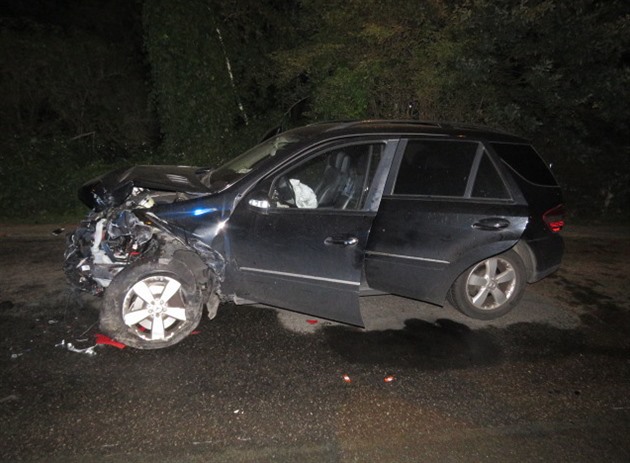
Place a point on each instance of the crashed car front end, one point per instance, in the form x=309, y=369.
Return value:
x=120, y=228
x=107, y=241
x=134, y=249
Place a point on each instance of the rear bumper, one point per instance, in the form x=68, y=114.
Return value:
x=546, y=255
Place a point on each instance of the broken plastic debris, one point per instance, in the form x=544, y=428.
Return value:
x=195, y=332
x=58, y=231
x=389, y=379
x=347, y=379
x=311, y=322
x=69, y=346
x=102, y=339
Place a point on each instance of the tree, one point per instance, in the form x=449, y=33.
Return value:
x=210, y=74
x=361, y=58
x=556, y=72
x=71, y=101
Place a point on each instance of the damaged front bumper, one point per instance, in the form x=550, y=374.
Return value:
x=105, y=243
x=117, y=233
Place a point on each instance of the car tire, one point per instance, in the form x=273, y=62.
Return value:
x=490, y=288
x=152, y=304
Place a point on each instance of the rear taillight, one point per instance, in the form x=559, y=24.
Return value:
x=554, y=218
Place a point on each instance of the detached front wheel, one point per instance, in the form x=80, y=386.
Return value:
x=491, y=288
x=152, y=304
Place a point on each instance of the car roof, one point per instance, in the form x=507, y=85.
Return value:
x=332, y=129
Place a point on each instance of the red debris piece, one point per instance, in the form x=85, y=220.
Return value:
x=311, y=322
x=389, y=379
x=102, y=339
x=347, y=379
x=195, y=332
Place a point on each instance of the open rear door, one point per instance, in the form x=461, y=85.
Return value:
x=447, y=208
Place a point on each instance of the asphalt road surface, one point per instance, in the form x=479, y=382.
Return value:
x=549, y=382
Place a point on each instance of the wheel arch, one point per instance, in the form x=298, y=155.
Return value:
x=204, y=263
x=195, y=265
x=470, y=258
x=529, y=259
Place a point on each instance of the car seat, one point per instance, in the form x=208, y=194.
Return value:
x=334, y=179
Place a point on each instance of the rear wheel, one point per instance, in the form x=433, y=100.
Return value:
x=152, y=304
x=491, y=288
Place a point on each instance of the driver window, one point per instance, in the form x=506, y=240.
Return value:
x=338, y=178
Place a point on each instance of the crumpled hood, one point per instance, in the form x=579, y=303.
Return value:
x=112, y=188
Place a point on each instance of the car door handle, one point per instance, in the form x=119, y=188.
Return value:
x=490, y=224
x=341, y=240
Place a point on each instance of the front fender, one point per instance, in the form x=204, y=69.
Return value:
x=210, y=257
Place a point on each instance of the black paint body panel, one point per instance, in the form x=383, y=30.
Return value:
x=419, y=246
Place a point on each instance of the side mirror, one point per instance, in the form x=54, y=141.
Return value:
x=259, y=202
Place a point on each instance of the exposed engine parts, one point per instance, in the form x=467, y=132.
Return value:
x=110, y=239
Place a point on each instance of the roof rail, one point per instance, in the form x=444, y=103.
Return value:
x=351, y=123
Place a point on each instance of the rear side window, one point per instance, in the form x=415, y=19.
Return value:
x=435, y=168
x=526, y=162
x=488, y=184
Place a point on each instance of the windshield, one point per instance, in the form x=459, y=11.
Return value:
x=237, y=168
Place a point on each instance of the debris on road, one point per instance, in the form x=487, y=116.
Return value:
x=16, y=355
x=311, y=322
x=347, y=379
x=389, y=378
x=57, y=231
x=69, y=346
x=102, y=339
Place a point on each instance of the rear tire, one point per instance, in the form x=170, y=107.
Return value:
x=152, y=304
x=490, y=288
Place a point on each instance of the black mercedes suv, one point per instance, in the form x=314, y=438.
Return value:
x=313, y=218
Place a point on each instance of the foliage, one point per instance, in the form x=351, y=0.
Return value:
x=42, y=180
x=209, y=74
x=558, y=73
x=73, y=103
x=67, y=82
